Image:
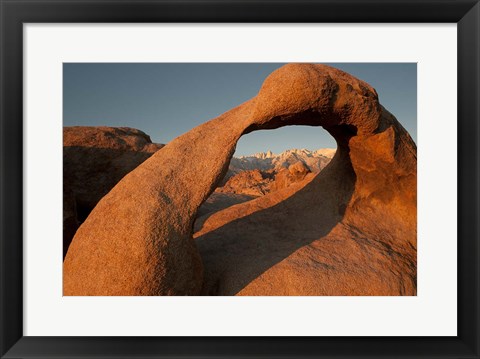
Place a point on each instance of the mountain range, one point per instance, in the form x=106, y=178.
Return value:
x=315, y=161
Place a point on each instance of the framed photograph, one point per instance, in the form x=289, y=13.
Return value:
x=239, y=179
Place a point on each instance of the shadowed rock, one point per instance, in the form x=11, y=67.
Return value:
x=94, y=160
x=349, y=230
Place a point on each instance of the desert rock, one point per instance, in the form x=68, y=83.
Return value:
x=350, y=230
x=94, y=160
x=285, y=177
x=252, y=183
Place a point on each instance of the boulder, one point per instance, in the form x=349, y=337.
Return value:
x=94, y=160
x=286, y=176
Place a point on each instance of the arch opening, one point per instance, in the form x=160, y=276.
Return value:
x=266, y=161
x=240, y=243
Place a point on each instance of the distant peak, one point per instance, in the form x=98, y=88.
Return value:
x=325, y=152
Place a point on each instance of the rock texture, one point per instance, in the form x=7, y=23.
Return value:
x=286, y=176
x=257, y=183
x=94, y=160
x=252, y=183
x=351, y=230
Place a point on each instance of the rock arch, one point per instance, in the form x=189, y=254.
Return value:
x=138, y=239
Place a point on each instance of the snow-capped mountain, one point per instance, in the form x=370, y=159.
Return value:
x=264, y=161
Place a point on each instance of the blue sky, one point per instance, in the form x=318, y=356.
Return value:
x=167, y=100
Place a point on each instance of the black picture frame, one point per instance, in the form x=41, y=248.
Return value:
x=14, y=13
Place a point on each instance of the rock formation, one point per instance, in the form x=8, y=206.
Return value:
x=257, y=183
x=251, y=183
x=94, y=160
x=286, y=176
x=351, y=230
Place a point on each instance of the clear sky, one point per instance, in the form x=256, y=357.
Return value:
x=167, y=100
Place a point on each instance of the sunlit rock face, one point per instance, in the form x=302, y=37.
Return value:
x=350, y=230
